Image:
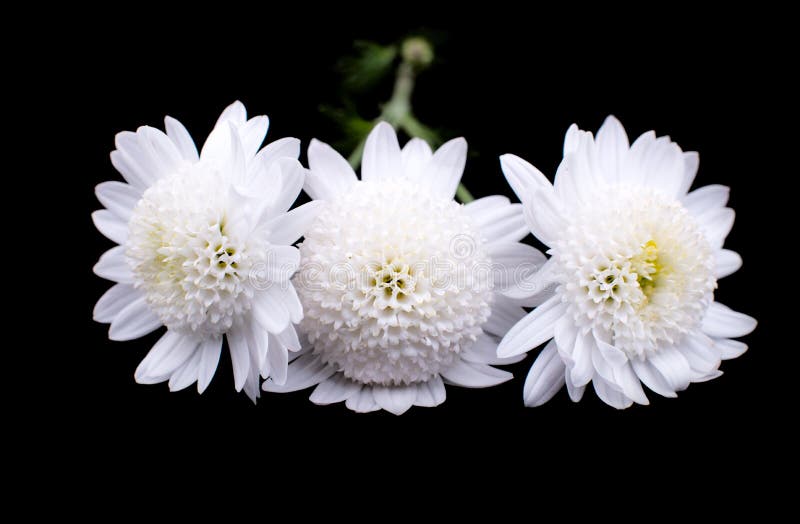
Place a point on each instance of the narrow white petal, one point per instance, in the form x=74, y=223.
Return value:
x=160, y=149
x=113, y=301
x=182, y=139
x=289, y=227
x=613, y=355
x=729, y=349
x=505, y=225
x=240, y=356
x=168, y=354
x=287, y=147
x=612, y=148
x=716, y=224
x=269, y=310
x=330, y=173
x=723, y=322
x=252, y=134
x=280, y=264
x=610, y=395
x=472, y=375
x=727, y=263
x=132, y=172
x=445, y=168
x=630, y=384
x=575, y=392
x=544, y=216
x=381, y=154
x=674, y=367
x=701, y=353
x=691, y=162
x=235, y=113
x=118, y=198
x=533, y=284
x=564, y=335
x=333, y=390
x=522, y=177
x=414, y=157
x=113, y=266
x=486, y=206
x=545, y=378
x=652, y=378
x=134, y=321
x=395, y=399
x=431, y=393
x=511, y=262
x=210, y=350
x=186, y=374
x=134, y=162
x=363, y=401
x=292, y=176
x=278, y=357
x=306, y=371
x=484, y=351
x=583, y=369
x=110, y=225
x=289, y=339
x=532, y=330
x=706, y=199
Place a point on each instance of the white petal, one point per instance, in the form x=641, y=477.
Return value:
x=571, y=139
x=240, y=356
x=134, y=174
x=282, y=148
x=472, y=375
x=701, y=353
x=691, y=161
x=235, y=113
x=381, y=154
x=395, y=399
x=445, y=168
x=414, y=157
x=111, y=226
x=136, y=164
x=258, y=342
x=118, y=198
x=723, y=322
x=652, y=378
x=609, y=395
x=583, y=369
x=706, y=199
x=182, y=139
x=292, y=176
x=167, y=355
x=431, y=393
x=727, y=262
x=729, y=349
x=113, y=266
x=160, y=149
x=289, y=339
x=330, y=173
x=532, y=330
x=674, y=367
x=278, y=357
x=134, y=321
x=484, y=351
x=252, y=134
x=512, y=261
x=545, y=378
x=306, y=371
x=505, y=314
x=113, y=301
x=533, y=284
x=362, y=401
x=716, y=224
x=629, y=382
x=522, y=177
x=575, y=392
x=186, y=374
x=335, y=389
x=280, y=264
x=503, y=225
x=544, y=216
x=289, y=227
x=209, y=350
x=612, y=148
x=664, y=167
x=613, y=355
x=269, y=310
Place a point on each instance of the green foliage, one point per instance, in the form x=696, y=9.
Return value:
x=370, y=63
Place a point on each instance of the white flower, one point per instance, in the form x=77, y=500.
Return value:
x=204, y=249
x=635, y=262
x=399, y=282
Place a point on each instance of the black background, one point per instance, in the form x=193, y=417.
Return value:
x=507, y=87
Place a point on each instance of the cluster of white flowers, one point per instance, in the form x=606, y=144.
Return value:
x=397, y=289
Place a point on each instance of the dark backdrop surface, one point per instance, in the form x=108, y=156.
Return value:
x=506, y=87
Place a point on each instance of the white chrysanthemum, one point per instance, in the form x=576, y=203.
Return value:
x=205, y=250
x=630, y=285
x=399, y=283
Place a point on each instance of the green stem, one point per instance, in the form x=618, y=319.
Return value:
x=397, y=112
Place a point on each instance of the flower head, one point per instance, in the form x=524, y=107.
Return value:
x=205, y=249
x=635, y=260
x=399, y=282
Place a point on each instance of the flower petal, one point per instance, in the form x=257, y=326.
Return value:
x=134, y=321
x=289, y=227
x=306, y=371
x=330, y=173
x=240, y=356
x=335, y=389
x=182, y=139
x=652, y=378
x=545, y=378
x=381, y=154
x=532, y=330
x=431, y=393
x=395, y=399
x=522, y=177
x=167, y=355
x=113, y=301
x=727, y=262
x=610, y=395
x=210, y=350
x=414, y=157
x=706, y=199
x=612, y=148
x=113, y=266
x=729, y=349
x=269, y=310
x=445, y=168
x=363, y=401
x=723, y=322
x=118, y=198
x=110, y=225
x=716, y=224
x=472, y=375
